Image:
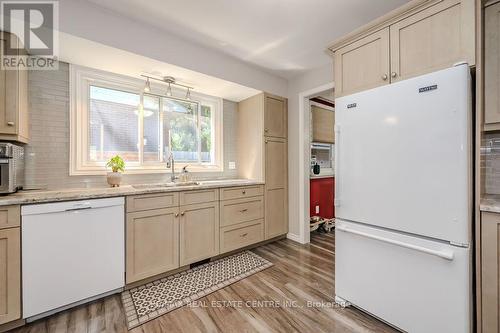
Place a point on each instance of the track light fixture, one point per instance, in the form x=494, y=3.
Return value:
x=170, y=80
x=147, y=86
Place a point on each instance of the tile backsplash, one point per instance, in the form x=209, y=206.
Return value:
x=490, y=162
x=47, y=155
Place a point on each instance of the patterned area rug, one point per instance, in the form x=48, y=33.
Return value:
x=154, y=299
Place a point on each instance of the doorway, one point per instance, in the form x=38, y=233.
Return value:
x=325, y=93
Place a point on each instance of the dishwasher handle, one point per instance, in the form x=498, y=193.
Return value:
x=79, y=206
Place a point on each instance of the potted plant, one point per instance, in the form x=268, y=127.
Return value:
x=117, y=166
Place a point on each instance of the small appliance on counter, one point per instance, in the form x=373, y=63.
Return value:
x=11, y=168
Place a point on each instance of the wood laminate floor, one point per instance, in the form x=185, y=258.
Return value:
x=294, y=295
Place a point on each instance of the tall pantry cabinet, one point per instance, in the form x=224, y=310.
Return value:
x=263, y=155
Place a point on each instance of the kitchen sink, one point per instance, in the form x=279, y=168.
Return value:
x=162, y=185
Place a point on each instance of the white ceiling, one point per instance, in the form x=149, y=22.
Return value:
x=285, y=37
x=83, y=52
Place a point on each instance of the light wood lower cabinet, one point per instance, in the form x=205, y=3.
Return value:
x=10, y=216
x=490, y=271
x=276, y=189
x=241, y=210
x=10, y=275
x=199, y=232
x=152, y=243
x=165, y=238
x=241, y=235
x=146, y=202
x=276, y=213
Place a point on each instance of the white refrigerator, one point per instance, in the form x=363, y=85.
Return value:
x=403, y=202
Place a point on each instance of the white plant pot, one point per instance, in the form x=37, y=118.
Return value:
x=114, y=179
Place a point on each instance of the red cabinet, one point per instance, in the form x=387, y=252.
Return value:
x=322, y=195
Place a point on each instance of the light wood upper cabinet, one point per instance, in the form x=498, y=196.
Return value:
x=14, y=122
x=323, y=123
x=433, y=39
x=275, y=116
x=199, y=232
x=417, y=38
x=276, y=188
x=152, y=243
x=492, y=67
x=490, y=268
x=363, y=64
x=10, y=275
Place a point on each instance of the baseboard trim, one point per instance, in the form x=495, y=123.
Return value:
x=294, y=237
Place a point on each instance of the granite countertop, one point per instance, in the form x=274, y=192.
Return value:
x=42, y=196
x=490, y=203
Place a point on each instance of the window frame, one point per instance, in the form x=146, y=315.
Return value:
x=81, y=78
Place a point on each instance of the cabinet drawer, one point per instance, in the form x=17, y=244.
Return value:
x=10, y=216
x=241, y=210
x=152, y=201
x=241, y=235
x=195, y=197
x=241, y=192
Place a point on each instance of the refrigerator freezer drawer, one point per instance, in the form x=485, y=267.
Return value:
x=415, y=284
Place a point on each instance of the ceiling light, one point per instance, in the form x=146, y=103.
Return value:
x=147, y=86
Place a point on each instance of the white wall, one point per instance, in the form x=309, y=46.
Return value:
x=309, y=80
x=92, y=22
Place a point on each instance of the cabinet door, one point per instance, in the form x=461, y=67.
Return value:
x=276, y=163
x=492, y=65
x=490, y=273
x=10, y=275
x=10, y=93
x=323, y=123
x=275, y=113
x=433, y=39
x=152, y=243
x=199, y=232
x=276, y=188
x=363, y=64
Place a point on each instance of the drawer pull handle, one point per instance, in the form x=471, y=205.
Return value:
x=394, y=74
x=244, y=235
x=244, y=192
x=243, y=210
x=10, y=123
x=176, y=214
x=182, y=214
x=385, y=77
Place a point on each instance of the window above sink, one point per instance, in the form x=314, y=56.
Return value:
x=110, y=115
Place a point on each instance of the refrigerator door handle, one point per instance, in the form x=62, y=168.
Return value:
x=445, y=254
x=336, y=201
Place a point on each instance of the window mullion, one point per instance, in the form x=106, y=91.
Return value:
x=199, y=133
x=161, y=144
x=140, y=124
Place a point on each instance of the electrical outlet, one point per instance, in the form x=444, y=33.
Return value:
x=232, y=165
x=317, y=209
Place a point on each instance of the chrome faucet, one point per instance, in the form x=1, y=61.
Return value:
x=171, y=165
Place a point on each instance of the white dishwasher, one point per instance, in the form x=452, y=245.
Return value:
x=71, y=252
